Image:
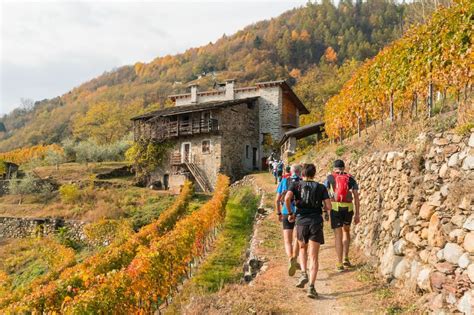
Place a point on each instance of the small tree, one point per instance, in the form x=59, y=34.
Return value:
x=54, y=158
x=24, y=186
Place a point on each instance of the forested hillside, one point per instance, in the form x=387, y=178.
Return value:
x=318, y=45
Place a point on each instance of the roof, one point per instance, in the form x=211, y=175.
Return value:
x=284, y=85
x=183, y=109
x=304, y=131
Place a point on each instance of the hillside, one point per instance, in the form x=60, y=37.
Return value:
x=317, y=37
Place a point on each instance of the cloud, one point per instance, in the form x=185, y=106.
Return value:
x=50, y=47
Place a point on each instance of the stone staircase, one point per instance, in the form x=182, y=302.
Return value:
x=200, y=177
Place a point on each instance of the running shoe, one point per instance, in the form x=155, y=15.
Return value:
x=340, y=267
x=347, y=263
x=292, y=267
x=312, y=292
x=302, y=280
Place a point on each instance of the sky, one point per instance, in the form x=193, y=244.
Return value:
x=49, y=47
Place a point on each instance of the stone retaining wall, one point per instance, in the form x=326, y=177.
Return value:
x=417, y=219
x=11, y=227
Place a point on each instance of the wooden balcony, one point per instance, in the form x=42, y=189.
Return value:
x=164, y=130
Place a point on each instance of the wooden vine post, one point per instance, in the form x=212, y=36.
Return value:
x=392, y=113
x=358, y=126
x=430, y=99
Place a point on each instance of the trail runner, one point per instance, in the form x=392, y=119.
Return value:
x=344, y=193
x=289, y=232
x=310, y=198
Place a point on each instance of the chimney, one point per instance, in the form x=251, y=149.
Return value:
x=194, y=91
x=229, y=89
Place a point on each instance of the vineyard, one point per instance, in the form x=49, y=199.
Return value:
x=135, y=275
x=436, y=56
x=24, y=155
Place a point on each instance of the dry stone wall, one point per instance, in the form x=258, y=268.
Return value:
x=417, y=219
x=11, y=227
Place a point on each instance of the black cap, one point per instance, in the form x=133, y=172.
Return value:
x=288, y=169
x=339, y=164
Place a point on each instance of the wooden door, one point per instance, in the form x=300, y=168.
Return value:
x=186, y=152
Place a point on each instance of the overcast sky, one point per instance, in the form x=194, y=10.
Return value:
x=49, y=47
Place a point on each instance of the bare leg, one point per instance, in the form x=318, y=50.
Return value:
x=303, y=255
x=338, y=243
x=313, y=258
x=346, y=241
x=295, y=244
x=288, y=240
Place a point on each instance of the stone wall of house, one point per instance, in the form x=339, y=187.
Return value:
x=239, y=127
x=417, y=219
x=209, y=163
x=270, y=104
x=11, y=227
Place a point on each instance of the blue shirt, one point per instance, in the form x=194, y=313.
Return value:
x=283, y=187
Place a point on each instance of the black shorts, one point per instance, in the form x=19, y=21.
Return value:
x=341, y=217
x=313, y=232
x=287, y=225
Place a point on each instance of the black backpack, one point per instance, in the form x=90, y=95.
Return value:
x=310, y=195
x=290, y=180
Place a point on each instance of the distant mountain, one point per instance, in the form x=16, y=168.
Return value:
x=297, y=42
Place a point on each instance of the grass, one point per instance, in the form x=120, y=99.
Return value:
x=224, y=264
x=25, y=260
x=75, y=171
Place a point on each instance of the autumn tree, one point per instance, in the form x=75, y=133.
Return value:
x=105, y=122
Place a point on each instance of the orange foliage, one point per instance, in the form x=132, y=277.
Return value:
x=438, y=53
x=24, y=155
x=330, y=55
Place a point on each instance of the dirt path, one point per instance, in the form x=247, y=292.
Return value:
x=274, y=292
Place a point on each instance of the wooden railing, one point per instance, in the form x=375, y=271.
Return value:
x=166, y=130
x=176, y=159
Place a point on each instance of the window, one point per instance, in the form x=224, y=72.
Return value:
x=247, y=151
x=206, y=146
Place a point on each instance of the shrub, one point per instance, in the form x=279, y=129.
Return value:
x=63, y=237
x=146, y=156
x=87, y=151
x=340, y=150
x=462, y=130
x=69, y=193
x=104, y=232
x=54, y=158
x=3, y=167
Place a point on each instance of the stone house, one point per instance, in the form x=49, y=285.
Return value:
x=227, y=130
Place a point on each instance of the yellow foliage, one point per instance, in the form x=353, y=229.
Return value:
x=69, y=193
x=24, y=155
x=105, y=122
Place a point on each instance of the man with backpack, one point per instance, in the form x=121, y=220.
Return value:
x=291, y=247
x=343, y=190
x=310, y=198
